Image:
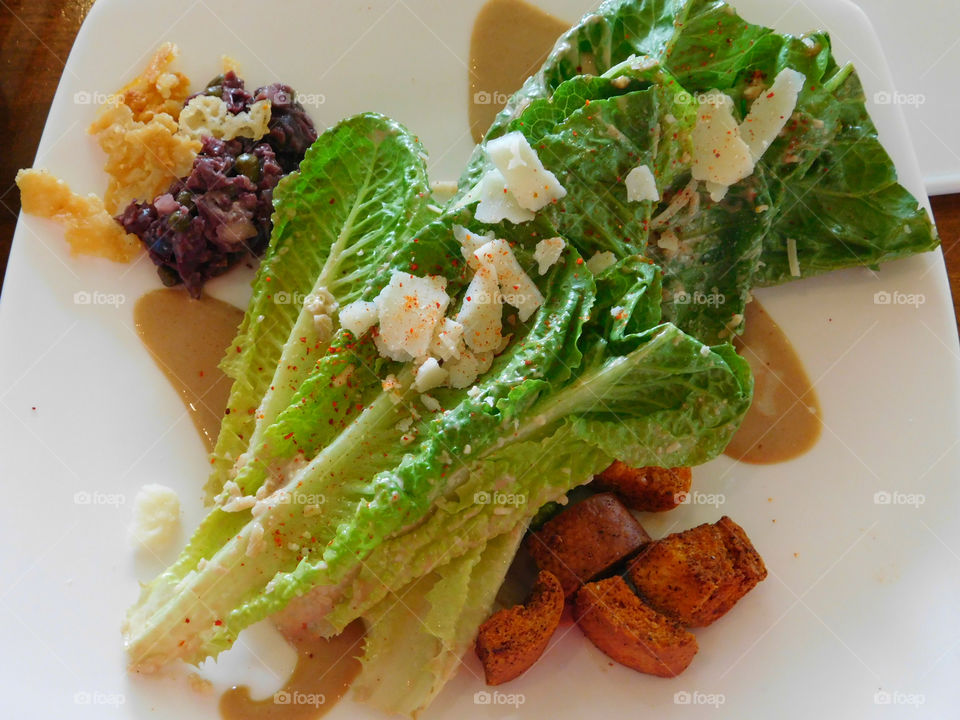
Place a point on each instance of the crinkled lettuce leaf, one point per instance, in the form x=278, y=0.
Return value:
x=354, y=200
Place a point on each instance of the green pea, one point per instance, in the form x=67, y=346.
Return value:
x=249, y=164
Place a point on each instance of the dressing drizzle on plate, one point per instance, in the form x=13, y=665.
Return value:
x=187, y=338
x=784, y=420
x=509, y=43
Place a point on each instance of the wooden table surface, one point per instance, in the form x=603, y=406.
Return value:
x=35, y=39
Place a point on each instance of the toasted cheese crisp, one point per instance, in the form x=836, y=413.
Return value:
x=90, y=229
x=143, y=158
x=157, y=90
x=207, y=115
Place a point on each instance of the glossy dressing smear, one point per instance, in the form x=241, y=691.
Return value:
x=324, y=671
x=510, y=41
x=187, y=338
x=784, y=420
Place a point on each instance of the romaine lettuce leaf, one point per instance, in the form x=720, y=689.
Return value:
x=826, y=185
x=354, y=200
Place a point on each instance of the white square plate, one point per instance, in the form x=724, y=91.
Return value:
x=858, y=617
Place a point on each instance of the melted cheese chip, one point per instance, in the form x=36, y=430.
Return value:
x=208, y=115
x=720, y=155
x=89, y=228
x=157, y=89
x=409, y=308
x=143, y=158
x=533, y=186
x=770, y=112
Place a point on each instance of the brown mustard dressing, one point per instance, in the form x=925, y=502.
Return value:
x=324, y=671
x=510, y=41
x=784, y=420
x=187, y=339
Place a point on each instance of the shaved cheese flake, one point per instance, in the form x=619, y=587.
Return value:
x=601, y=261
x=770, y=112
x=641, y=185
x=533, y=186
x=682, y=199
x=516, y=286
x=464, y=371
x=496, y=202
x=720, y=155
x=359, y=316
x=548, y=252
x=470, y=242
x=410, y=308
x=481, y=310
x=431, y=403
x=447, y=340
x=429, y=375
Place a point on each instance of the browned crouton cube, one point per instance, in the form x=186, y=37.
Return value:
x=512, y=640
x=648, y=489
x=696, y=576
x=633, y=634
x=586, y=539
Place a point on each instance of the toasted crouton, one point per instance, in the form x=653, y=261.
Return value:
x=512, y=640
x=586, y=539
x=648, y=489
x=696, y=576
x=630, y=632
